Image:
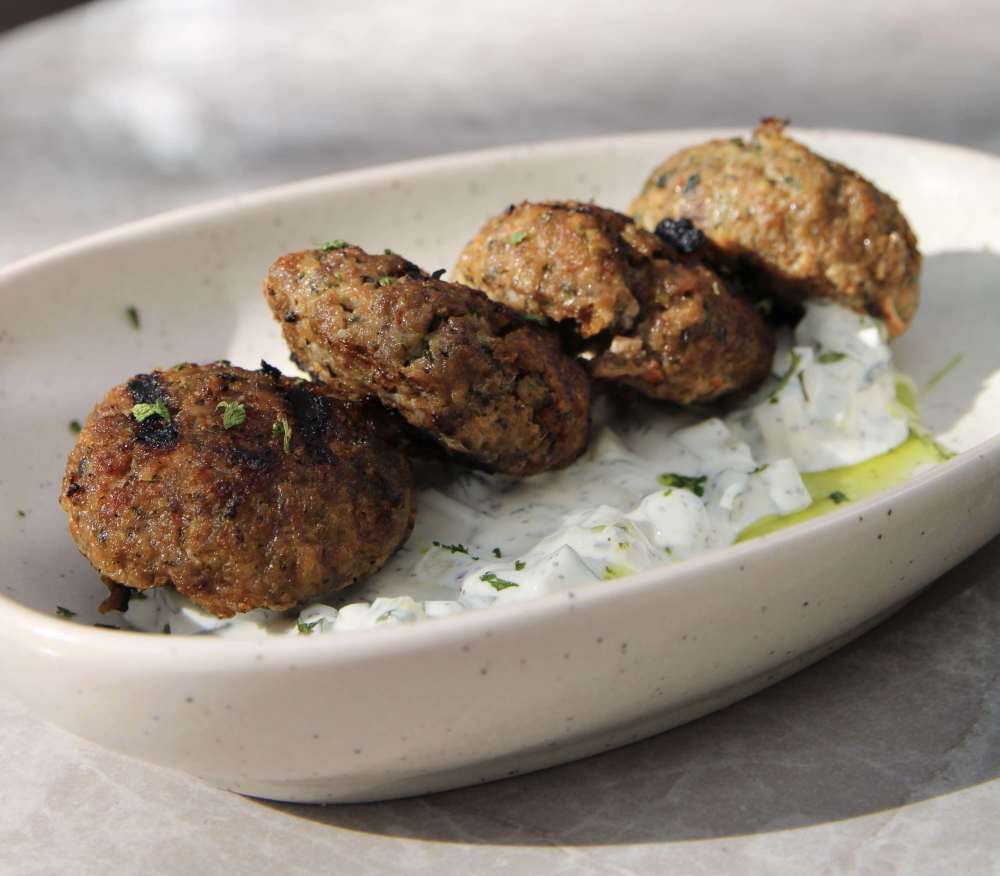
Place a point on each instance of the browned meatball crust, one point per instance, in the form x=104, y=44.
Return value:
x=804, y=226
x=471, y=373
x=656, y=319
x=564, y=261
x=303, y=495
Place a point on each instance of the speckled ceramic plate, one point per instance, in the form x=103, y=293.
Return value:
x=475, y=697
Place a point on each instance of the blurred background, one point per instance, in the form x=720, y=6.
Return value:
x=117, y=109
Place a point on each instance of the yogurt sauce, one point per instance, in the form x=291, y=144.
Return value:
x=652, y=489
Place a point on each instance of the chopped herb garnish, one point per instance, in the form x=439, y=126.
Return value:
x=339, y=275
x=615, y=572
x=333, y=244
x=760, y=468
x=454, y=548
x=517, y=237
x=306, y=628
x=143, y=411
x=519, y=565
x=938, y=376
x=64, y=612
x=796, y=358
x=21, y=513
x=386, y=281
x=495, y=582
x=388, y=251
x=132, y=315
x=668, y=551
x=683, y=482
x=282, y=427
x=233, y=413
x=534, y=317
x=599, y=528
x=496, y=553
x=830, y=356
x=75, y=427
x=692, y=183
x=802, y=383
x=838, y=497
x=225, y=362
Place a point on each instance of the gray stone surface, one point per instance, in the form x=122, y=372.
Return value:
x=883, y=758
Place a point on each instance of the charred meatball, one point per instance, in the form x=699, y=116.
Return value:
x=803, y=226
x=241, y=489
x=656, y=319
x=483, y=382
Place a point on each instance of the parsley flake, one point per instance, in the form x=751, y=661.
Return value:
x=132, y=315
x=306, y=628
x=386, y=281
x=143, y=411
x=830, y=356
x=233, y=413
x=692, y=183
x=695, y=484
x=519, y=565
x=75, y=427
x=333, y=244
x=796, y=358
x=496, y=583
x=64, y=612
x=21, y=514
x=454, y=548
x=496, y=553
x=518, y=237
x=282, y=427
x=838, y=497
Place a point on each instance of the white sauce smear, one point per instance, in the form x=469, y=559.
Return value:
x=652, y=490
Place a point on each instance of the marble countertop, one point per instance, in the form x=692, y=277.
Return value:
x=882, y=758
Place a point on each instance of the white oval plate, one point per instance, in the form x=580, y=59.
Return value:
x=384, y=713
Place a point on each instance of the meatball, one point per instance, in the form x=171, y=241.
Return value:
x=654, y=317
x=564, y=261
x=800, y=225
x=695, y=340
x=484, y=383
x=242, y=489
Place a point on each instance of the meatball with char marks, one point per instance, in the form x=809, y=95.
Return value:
x=798, y=225
x=653, y=317
x=487, y=385
x=242, y=489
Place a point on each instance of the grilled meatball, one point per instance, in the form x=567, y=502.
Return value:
x=803, y=226
x=564, y=261
x=242, y=489
x=475, y=376
x=695, y=340
x=656, y=319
